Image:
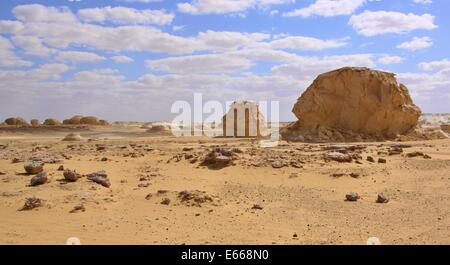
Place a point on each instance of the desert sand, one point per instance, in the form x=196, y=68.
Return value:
x=162, y=193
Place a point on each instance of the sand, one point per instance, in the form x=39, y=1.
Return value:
x=308, y=202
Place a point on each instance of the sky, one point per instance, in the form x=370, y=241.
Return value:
x=132, y=59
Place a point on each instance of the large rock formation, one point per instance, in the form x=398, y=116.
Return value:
x=353, y=104
x=52, y=122
x=17, y=121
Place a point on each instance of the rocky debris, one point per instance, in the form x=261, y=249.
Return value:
x=100, y=177
x=39, y=179
x=382, y=160
x=17, y=122
x=417, y=154
x=35, y=122
x=71, y=175
x=352, y=197
x=34, y=167
x=339, y=157
x=353, y=104
x=381, y=198
x=278, y=164
x=165, y=201
x=31, y=203
x=61, y=168
x=354, y=175
x=73, y=137
x=16, y=160
x=194, y=198
x=370, y=159
x=78, y=208
x=52, y=122
x=220, y=157
x=395, y=151
x=257, y=207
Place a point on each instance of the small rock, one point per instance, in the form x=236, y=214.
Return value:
x=34, y=167
x=143, y=185
x=2, y=173
x=293, y=175
x=382, y=161
x=100, y=177
x=78, y=208
x=165, y=201
x=31, y=203
x=382, y=198
x=257, y=207
x=104, y=159
x=352, y=196
x=354, y=175
x=370, y=159
x=61, y=168
x=71, y=175
x=149, y=196
x=186, y=149
x=39, y=179
x=339, y=157
x=17, y=160
x=277, y=164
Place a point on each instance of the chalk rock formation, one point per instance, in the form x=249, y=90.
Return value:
x=51, y=122
x=17, y=121
x=353, y=104
x=35, y=122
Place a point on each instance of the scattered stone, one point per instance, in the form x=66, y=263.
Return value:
x=354, y=175
x=382, y=160
x=352, y=197
x=2, y=173
x=339, y=157
x=71, y=175
x=61, y=168
x=188, y=149
x=34, y=167
x=31, y=203
x=370, y=159
x=194, y=198
x=257, y=207
x=165, y=201
x=382, y=198
x=395, y=151
x=149, y=196
x=16, y=160
x=143, y=185
x=416, y=154
x=78, y=208
x=277, y=164
x=100, y=177
x=219, y=157
x=104, y=159
x=39, y=179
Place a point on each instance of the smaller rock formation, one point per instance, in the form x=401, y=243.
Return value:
x=17, y=122
x=52, y=122
x=73, y=137
x=35, y=122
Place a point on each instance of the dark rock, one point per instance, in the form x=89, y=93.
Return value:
x=370, y=159
x=339, y=157
x=78, y=208
x=257, y=207
x=382, y=198
x=34, y=167
x=39, y=179
x=354, y=175
x=382, y=161
x=100, y=177
x=165, y=201
x=352, y=197
x=61, y=168
x=31, y=203
x=71, y=175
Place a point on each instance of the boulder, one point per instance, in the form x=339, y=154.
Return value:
x=35, y=122
x=354, y=103
x=51, y=122
x=17, y=121
x=34, y=167
x=73, y=137
x=89, y=120
x=75, y=120
x=39, y=179
x=103, y=123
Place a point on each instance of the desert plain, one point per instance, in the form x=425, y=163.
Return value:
x=162, y=192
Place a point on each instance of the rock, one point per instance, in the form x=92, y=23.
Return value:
x=354, y=175
x=78, y=208
x=277, y=164
x=339, y=157
x=160, y=128
x=395, y=151
x=39, y=179
x=35, y=122
x=194, y=198
x=73, y=137
x=103, y=123
x=165, y=201
x=17, y=121
x=355, y=101
x=89, y=120
x=382, y=161
x=61, y=168
x=71, y=175
x=220, y=157
x=104, y=159
x=2, y=173
x=31, y=203
x=52, y=122
x=34, y=167
x=100, y=177
x=352, y=197
x=16, y=160
x=257, y=207
x=416, y=154
x=382, y=198
x=370, y=159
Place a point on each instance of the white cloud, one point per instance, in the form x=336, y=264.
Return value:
x=306, y=43
x=42, y=73
x=225, y=40
x=125, y=15
x=371, y=23
x=435, y=65
x=423, y=1
x=327, y=8
x=388, y=60
x=416, y=44
x=122, y=59
x=77, y=56
x=225, y=6
x=40, y=13
x=207, y=63
x=32, y=46
x=8, y=58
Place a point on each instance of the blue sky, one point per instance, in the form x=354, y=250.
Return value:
x=131, y=59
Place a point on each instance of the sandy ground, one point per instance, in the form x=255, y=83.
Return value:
x=302, y=204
